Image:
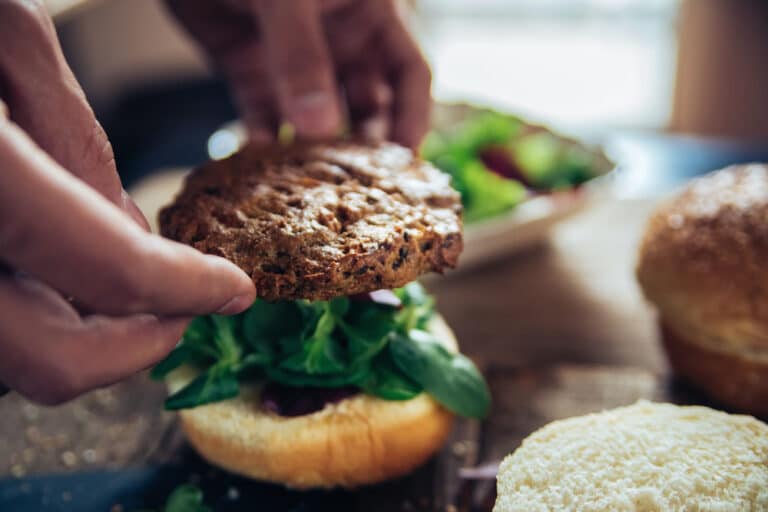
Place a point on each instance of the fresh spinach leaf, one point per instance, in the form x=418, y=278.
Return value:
x=452, y=379
x=196, y=348
x=186, y=498
x=225, y=340
x=320, y=354
x=352, y=376
x=339, y=306
x=327, y=344
x=176, y=358
x=251, y=365
x=413, y=294
x=367, y=336
x=267, y=322
x=216, y=384
x=199, y=330
x=198, y=339
x=418, y=307
x=387, y=381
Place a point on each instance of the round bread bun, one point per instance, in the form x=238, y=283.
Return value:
x=703, y=264
x=646, y=457
x=357, y=441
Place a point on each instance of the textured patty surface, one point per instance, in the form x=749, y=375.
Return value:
x=320, y=221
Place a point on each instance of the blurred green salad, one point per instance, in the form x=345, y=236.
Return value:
x=498, y=160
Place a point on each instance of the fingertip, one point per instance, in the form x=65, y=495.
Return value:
x=241, y=287
x=374, y=129
x=409, y=138
x=315, y=115
x=235, y=305
x=411, y=127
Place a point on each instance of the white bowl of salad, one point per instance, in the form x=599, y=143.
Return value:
x=516, y=179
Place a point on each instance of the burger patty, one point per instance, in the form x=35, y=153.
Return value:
x=320, y=221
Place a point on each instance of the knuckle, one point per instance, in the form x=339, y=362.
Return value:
x=302, y=72
x=97, y=148
x=21, y=16
x=33, y=9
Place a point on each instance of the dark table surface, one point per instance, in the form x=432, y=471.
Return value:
x=560, y=329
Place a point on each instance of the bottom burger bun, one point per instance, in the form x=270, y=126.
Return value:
x=357, y=441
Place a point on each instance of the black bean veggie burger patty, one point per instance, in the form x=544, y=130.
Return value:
x=321, y=221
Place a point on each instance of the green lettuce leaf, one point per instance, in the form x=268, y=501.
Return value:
x=214, y=385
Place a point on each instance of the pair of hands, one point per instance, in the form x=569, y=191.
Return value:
x=87, y=295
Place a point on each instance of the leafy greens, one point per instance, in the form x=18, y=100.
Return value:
x=186, y=498
x=495, y=160
x=382, y=350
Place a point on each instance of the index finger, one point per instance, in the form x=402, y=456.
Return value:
x=410, y=78
x=300, y=66
x=58, y=229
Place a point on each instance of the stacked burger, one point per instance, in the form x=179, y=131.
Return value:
x=341, y=373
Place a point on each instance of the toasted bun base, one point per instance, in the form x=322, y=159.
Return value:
x=646, y=457
x=734, y=379
x=358, y=441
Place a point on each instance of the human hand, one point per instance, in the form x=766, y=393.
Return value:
x=87, y=296
x=307, y=61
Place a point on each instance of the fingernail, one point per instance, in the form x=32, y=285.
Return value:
x=235, y=305
x=130, y=206
x=374, y=129
x=315, y=114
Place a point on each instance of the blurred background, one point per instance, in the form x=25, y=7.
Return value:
x=589, y=67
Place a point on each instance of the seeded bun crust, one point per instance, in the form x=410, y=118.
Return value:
x=321, y=221
x=646, y=457
x=357, y=441
x=703, y=263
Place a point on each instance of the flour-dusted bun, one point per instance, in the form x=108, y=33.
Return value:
x=703, y=264
x=357, y=441
x=646, y=457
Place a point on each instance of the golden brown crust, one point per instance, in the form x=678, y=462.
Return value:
x=360, y=440
x=703, y=261
x=319, y=221
x=732, y=379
